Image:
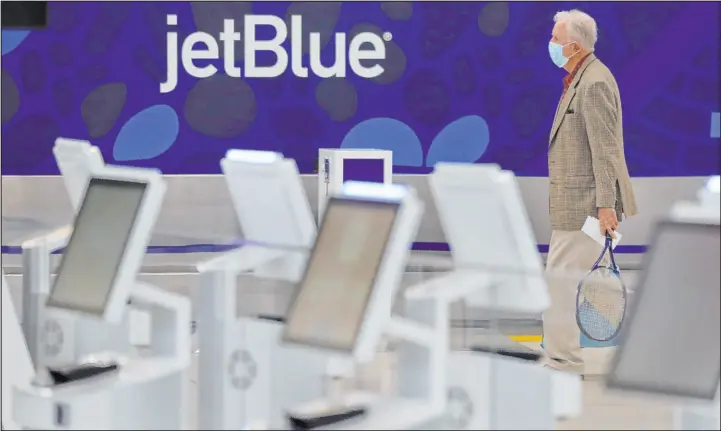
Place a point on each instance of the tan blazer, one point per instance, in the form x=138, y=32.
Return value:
x=586, y=164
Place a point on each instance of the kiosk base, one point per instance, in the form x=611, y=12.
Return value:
x=262, y=378
x=144, y=394
x=479, y=396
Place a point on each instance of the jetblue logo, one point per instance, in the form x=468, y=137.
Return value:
x=367, y=47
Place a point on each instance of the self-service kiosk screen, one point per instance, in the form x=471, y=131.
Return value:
x=332, y=298
x=670, y=342
x=96, y=247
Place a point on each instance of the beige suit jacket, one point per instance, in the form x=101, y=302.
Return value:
x=586, y=163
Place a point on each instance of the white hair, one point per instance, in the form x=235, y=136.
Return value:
x=580, y=27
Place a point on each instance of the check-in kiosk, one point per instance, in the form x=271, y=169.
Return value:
x=53, y=340
x=670, y=343
x=96, y=279
x=273, y=210
x=258, y=375
x=17, y=368
x=342, y=308
x=497, y=262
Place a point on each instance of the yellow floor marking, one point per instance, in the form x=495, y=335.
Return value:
x=526, y=338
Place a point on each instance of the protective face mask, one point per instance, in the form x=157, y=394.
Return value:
x=556, y=52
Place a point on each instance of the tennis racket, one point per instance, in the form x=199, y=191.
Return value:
x=601, y=299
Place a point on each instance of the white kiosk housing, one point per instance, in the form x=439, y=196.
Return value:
x=259, y=376
x=670, y=345
x=76, y=160
x=17, y=368
x=497, y=263
x=487, y=227
x=56, y=340
x=272, y=209
x=336, y=166
x=96, y=278
x=342, y=308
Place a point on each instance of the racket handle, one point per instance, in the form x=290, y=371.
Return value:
x=609, y=247
x=609, y=241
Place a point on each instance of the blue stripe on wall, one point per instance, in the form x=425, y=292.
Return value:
x=219, y=248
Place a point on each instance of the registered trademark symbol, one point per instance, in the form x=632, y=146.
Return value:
x=387, y=36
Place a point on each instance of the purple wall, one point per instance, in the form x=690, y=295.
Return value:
x=464, y=82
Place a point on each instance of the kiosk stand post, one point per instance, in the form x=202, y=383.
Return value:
x=245, y=375
x=416, y=359
x=36, y=286
x=215, y=306
x=16, y=363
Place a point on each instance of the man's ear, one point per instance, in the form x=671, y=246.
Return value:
x=579, y=48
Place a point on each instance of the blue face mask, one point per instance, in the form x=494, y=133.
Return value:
x=556, y=52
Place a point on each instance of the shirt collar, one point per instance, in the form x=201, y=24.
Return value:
x=568, y=79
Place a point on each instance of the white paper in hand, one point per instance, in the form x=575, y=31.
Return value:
x=592, y=228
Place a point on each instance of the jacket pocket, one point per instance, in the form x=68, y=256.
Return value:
x=580, y=182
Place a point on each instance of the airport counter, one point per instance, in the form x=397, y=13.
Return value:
x=173, y=268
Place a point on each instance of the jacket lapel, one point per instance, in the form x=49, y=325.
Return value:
x=563, y=104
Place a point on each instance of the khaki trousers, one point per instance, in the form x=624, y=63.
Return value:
x=575, y=252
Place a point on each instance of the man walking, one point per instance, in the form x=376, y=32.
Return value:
x=588, y=176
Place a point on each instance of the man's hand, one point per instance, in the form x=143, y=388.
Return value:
x=608, y=221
